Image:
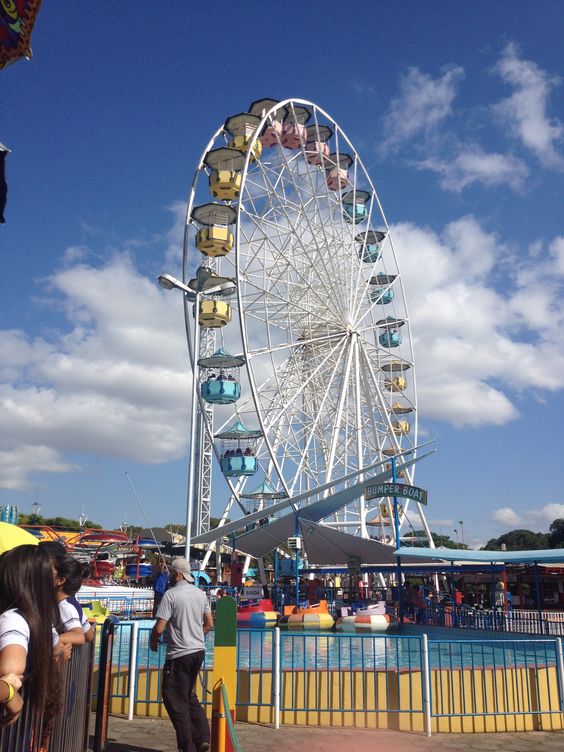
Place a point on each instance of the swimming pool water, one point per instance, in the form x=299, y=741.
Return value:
x=448, y=649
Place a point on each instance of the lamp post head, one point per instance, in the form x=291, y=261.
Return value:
x=167, y=281
x=172, y=283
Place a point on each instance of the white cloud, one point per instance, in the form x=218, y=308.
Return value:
x=525, y=111
x=549, y=512
x=439, y=523
x=423, y=103
x=415, y=120
x=556, y=250
x=470, y=165
x=17, y=463
x=507, y=516
x=114, y=382
x=475, y=345
x=542, y=516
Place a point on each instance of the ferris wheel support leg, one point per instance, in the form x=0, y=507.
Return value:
x=429, y=539
x=218, y=570
x=222, y=522
x=247, y=564
x=359, y=437
x=262, y=571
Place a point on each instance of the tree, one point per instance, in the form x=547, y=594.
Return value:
x=556, y=534
x=440, y=541
x=63, y=523
x=518, y=540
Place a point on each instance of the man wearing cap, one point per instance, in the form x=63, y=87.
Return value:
x=185, y=613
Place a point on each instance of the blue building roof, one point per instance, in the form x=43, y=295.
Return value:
x=542, y=556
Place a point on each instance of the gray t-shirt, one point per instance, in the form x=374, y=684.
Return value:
x=183, y=606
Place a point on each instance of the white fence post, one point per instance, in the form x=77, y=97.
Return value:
x=560, y=672
x=276, y=688
x=426, y=683
x=132, y=669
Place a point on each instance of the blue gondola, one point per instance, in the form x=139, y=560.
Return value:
x=222, y=386
x=221, y=391
x=390, y=339
x=355, y=206
x=370, y=245
x=239, y=464
x=381, y=297
x=240, y=460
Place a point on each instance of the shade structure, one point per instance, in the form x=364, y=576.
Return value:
x=452, y=555
x=160, y=534
x=322, y=544
x=12, y=536
x=263, y=539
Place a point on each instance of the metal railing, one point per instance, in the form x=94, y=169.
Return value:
x=327, y=674
x=68, y=731
x=345, y=673
x=495, y=620
x=496, y=678
x=126, y=607
x=26, y=734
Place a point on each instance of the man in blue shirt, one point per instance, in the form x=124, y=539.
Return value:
x=161, y=585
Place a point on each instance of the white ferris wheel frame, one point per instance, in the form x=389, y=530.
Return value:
x=205, y=412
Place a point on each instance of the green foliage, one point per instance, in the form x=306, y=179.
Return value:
x=556, y=533
x=445, y=541
x=519, y=540
x=62, y=523
x=440, y=541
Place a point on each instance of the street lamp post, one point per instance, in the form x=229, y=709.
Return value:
x=223, y=288
x=461, y=523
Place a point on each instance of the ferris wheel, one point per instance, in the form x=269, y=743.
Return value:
x=307, y=373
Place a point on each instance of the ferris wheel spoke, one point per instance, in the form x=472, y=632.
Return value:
x=314, y=372
x=327, y=241
x=266, y=286
x=319, y=277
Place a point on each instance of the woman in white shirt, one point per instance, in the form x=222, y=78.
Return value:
x=28, y=644
x=68, y=579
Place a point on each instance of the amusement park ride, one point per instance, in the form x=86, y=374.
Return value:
x=297, y=325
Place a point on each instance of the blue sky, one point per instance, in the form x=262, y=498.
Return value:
x=456, y=110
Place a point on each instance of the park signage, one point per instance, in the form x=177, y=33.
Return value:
x=253, y=592
x=399, y=490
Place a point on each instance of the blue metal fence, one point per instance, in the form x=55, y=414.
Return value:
x=297, y=672
x=348, y=673
x=497, y=677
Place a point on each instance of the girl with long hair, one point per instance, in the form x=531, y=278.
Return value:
x=68, y=579
x=28, y=643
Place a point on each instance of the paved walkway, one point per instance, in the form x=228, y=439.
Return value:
x=155, y=735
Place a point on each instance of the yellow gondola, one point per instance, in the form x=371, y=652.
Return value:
x=214, y=314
